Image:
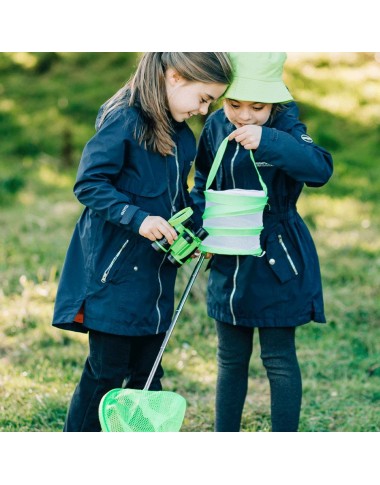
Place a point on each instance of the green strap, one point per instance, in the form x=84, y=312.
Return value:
x=225, y=211
x=234, y=231
x=233, y=205
x=213, y=196
x=181, y=216
x=217, y=160
x=231, y=252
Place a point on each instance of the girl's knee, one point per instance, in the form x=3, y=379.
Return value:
x=233, y=358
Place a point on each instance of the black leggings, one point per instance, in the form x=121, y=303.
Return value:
x=279, y=357
x=113, y=361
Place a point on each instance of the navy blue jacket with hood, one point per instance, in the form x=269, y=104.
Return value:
x=283, y=287
x=113, y=281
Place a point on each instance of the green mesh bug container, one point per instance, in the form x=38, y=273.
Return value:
x=233, y=218
x=139, y=410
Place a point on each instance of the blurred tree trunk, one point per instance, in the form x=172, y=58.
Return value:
x=67, y=148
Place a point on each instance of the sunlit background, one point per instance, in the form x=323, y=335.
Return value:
x=48, y=105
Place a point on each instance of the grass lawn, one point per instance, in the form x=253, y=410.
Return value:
x=340, y=361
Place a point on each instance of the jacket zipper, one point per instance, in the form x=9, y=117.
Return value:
x=234, y=290
x=177, y=181
x=173, y=200
x=106, y=272
x=287, y=254
x=159, y=295
x=232, y=165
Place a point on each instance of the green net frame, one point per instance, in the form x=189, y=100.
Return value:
x=139, y=410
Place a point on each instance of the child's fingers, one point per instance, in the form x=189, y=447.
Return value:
x=238, y=135
x=196, y=254
x=241, y=138
x=161, y=228
x=155, y=227
x=233, y=135
x=167, y=231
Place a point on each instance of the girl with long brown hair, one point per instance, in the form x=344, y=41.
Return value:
x=132, y=178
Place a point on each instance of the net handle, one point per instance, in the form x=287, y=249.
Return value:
x=175, y=318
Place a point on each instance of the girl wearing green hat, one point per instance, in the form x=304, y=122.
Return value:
x=266, y=149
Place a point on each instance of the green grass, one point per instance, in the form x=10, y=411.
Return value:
x=340, y=361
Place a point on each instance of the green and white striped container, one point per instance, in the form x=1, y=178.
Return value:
x=233, y=218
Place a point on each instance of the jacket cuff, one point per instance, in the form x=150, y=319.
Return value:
x=268, y=136
x=127, y=214
x=137, y=220
x=132, y=217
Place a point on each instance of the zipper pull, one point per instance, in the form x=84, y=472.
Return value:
x=105, y=275
x=106, y=272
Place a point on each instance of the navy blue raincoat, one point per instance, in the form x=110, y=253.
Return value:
x=113, y=281
x=282, y=288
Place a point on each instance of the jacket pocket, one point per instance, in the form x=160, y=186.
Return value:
x=113, y=265
x=285, y=248
x=282, y=256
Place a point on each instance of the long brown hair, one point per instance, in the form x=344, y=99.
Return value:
x=146, y=90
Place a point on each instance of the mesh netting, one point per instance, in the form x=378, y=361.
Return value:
x=234, y=220
x=141, y=411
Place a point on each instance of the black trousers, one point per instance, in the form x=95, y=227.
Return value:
x=114, y=361
x=279, y=358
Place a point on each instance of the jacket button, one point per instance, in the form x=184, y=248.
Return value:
x=272, y=261
x=135, y=268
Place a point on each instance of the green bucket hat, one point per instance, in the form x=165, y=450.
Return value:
x=258, y=77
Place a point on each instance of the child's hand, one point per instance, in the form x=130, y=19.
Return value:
x=155, y=227
x=197, y=253
x=248, y=136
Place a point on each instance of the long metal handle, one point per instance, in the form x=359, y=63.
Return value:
x=175, y=318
